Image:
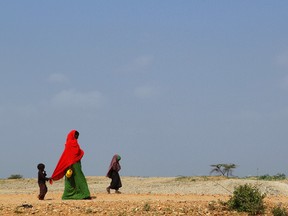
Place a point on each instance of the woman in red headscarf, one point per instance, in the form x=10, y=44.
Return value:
x=76, y=186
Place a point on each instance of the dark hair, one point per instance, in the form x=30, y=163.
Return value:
x=41, y=166
x=76, y=134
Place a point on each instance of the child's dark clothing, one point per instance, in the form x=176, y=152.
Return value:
x=42, y=184
x=113, y=173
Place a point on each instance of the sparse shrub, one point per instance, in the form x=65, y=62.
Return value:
x=185, y=178
x=146, y=207
x=278, y=176
x=247, y=198
x=279, y=211
x=265, y=177
x=15, y=176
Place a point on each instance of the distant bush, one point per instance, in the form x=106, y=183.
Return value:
x=278, y=176
x=279, y=211
x=15, y=176
x=247, y=198
x=185, y=178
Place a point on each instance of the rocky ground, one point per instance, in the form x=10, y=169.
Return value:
x=140, y=196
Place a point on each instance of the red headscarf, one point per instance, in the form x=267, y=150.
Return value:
x=71, y=154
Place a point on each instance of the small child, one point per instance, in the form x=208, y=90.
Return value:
x=113, y=174
x=42, y=181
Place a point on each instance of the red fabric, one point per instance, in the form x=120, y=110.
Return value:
x=71, y=154
x=114, y=165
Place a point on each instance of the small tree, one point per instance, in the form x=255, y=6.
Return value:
x=223, y=169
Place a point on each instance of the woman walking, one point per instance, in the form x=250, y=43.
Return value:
x=69, y=164
x=113, y=173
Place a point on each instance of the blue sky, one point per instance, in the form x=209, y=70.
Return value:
x=172, y=86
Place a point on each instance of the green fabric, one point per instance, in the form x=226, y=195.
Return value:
x=119, y=158
x=76, y=186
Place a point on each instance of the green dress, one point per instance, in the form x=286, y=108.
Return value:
x=76, y=186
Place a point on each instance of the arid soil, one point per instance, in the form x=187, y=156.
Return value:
x=140, y=196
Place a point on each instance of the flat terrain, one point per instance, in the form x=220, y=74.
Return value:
x=140, y=196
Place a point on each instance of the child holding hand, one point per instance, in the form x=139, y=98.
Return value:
x=42, y=181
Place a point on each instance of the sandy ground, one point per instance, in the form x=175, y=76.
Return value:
x=140, y=196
